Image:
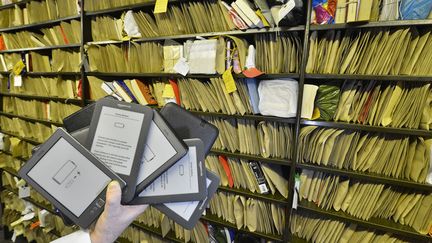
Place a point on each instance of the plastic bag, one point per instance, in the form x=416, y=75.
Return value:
x=327, y=100
x=415, y=9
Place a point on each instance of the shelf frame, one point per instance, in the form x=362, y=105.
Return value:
x=279, y=161
x=46, y=122
x=40, y=24
x=378, y=24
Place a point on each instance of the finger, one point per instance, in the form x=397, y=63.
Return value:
x=113, y=196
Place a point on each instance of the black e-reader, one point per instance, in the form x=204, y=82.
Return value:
x=187, y=214
x=117, y=136
x=77, y=124
x=184, y=181
x=161, y=150
x=70, y=177
x=186, y=125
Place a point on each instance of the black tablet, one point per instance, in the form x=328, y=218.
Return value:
x=186, y=125
x=117, y=136
x=187, y=214
x=184, y=181
x=70, y=177
x=161, y=151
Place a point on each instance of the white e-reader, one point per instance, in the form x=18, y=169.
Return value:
x=117, y=136
x=187, y=214
x=161, y=151
x=70, y=177
x=184, y=181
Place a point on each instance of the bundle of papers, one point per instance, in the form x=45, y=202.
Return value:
x=251, y=214
x=106, y=28
x=8, y=60
x=154, y=218
x=243, y=174
x=63, y=34
x=52, y=111
x=267, y=139
x=305, y=225
x=131, y=58
x=65, y=60
x=278, y=53
x=23, y=128
x=375, y=52
x=400, y=157
x=402, y=104
x=43, y=86
x=36, y=12
x=18, y=148
x=366, y=200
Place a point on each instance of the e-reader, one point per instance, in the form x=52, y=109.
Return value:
x=187, y=214
x=186, y=125
x=117, y=136
x=80, y=119
x=184, y=181
x=161, y=150
x=70, y=177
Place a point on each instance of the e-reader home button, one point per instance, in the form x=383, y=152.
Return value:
x=100, y=203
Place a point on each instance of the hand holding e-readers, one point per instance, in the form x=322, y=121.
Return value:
x=70, y=177
x=117, y=136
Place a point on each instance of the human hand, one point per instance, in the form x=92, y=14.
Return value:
x=115, y=217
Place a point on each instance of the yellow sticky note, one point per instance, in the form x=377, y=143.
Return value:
x=263, y=19
x=160, y=6
x=18, y=67
x=229, y=81
x=168, y=92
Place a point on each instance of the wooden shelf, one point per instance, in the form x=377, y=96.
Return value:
x=358, y=25
x=374, y=223
x=40, y=24
x=47, y=122
x=252, y=157
x=217, y=221
x=367, y=128
x=370, y=177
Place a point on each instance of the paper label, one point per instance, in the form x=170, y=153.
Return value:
x=296, y=190
x=286, y=8
x=160, y=6
x=24, y=191
x=229, y=80
x=181, y=66
x=18, y=67
x=18, y=81
x=14, y=236
x=42, y=217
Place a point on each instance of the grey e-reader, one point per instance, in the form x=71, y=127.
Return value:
x=187, y=214
x=184, y=181
x=117, y=136
x=186, y=125
x=70, y=177
x=161, y=150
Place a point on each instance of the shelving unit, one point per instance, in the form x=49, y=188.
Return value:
x=293, y=166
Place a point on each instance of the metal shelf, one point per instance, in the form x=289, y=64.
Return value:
x=157, y=231
x=40, y=24
x=370, y=77
x=32, y=119
x=353, y=126
x=123, y=8
x=374, y=223
x=285, y=162
x=250, y=117
x=371, y=177
x=10, y=154
x=40, y=48
x=207, y=34
x=29, y=140
x=37, y=97
x=215, y=220
x=45, y=73
x=358, y=25
x=176, y=75
x=278, y=199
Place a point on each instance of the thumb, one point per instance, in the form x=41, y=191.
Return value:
x=113, y=197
